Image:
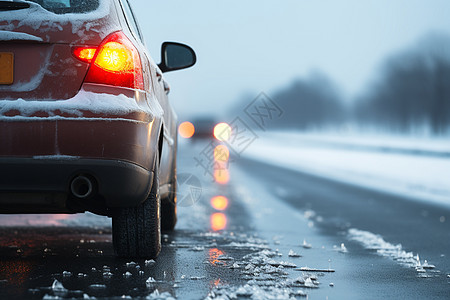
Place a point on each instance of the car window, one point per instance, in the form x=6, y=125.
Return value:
x=68, y=6
x=131, y=20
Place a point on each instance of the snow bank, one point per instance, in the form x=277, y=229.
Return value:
x=366, y=142
x=421, y=177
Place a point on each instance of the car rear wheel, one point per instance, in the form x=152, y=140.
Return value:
x=136, y=230
x=169, y=208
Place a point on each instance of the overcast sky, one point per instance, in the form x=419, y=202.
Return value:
x=245, y=47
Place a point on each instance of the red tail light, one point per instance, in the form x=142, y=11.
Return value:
x=115, y=62
x=85, y=53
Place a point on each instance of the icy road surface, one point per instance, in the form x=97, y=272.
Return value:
x=274, y=233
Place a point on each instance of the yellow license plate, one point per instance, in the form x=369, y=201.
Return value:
x=6, y=68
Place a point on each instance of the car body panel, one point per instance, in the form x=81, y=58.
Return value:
x=63, y=123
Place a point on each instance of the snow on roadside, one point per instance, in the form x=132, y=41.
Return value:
x=376, y=142
x=418, y=176
x=373, y=241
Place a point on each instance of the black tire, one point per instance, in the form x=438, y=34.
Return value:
x=169, y=203
x=137, y=230
x=169, y=209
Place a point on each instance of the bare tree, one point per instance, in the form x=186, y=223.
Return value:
x=414, y=88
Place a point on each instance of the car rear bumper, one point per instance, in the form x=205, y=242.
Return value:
x=106, y=135
x=97, y=138
x=43, y=184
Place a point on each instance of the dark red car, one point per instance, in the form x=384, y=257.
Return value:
x=85, y=122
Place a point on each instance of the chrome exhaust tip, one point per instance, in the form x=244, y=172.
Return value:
x=82, y=187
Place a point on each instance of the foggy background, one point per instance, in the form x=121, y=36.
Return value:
x=330, y=65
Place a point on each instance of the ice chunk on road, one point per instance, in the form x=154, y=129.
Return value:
x=292, y=253
x=426, y=265
x=249, y=267
x=67, y=274
x=396, y=252
x=309, y=283
x=254, y=292
x=306, y=245
x=150, y=280
x=156, y=295
x=224, y=257
x=307, y=269
x=131, y=264
x=97, y=286
x=282, y=264
x=149, y=262
x=235, y=266
x=341, y=249
x=197, y=248
x=50, y=297
x=58, y=289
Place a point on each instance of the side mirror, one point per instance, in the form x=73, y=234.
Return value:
x=176, y=56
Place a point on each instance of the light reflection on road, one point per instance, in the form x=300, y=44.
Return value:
x=221, y=164
x=222, y=176
x=214, y=254
x=221, y=153
x=218, y=221
x=219, y=202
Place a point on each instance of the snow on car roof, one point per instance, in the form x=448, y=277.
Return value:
x=68, y=6
x=36, y=16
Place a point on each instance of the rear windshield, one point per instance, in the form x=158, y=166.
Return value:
x=68, y=6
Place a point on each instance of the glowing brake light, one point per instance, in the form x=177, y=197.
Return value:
x=115, y=62
x=115, y=57
x=85, y=53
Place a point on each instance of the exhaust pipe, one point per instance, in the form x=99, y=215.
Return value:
x=82, y=187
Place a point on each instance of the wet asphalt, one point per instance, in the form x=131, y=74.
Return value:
x=238, y=251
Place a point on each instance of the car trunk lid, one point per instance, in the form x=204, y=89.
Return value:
x=36, y=61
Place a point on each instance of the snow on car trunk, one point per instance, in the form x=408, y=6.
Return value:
x=39, y=44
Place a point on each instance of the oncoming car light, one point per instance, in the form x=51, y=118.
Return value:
x=186, y=130
x=222, y=132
